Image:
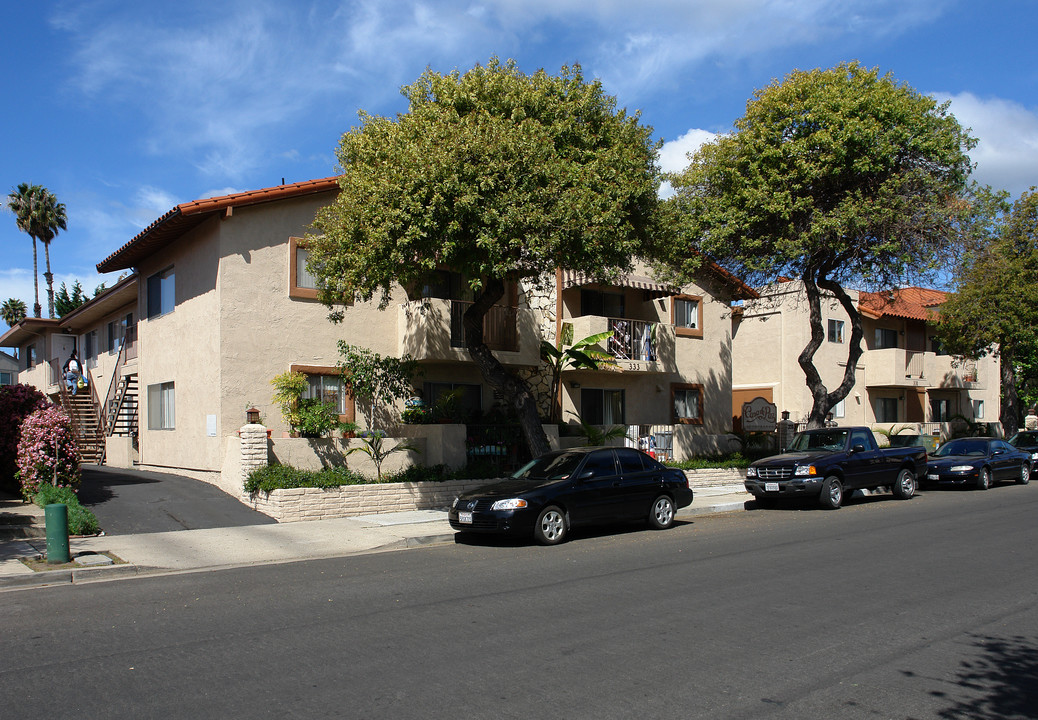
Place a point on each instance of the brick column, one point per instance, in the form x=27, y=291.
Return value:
x=253, y=448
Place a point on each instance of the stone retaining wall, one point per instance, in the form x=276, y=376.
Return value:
x=299, y=504
x=295, y=504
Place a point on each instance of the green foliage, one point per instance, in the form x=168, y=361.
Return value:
x=12, y=311
x=569, y=355
x=65, y=302
x=374, y=379
x=289, y=387
x=39, y=215
x=995, y=305
x=81, y=521
x=494, y=174
x=733, y=460
x=420, y=473
x=375, y=448
x=273, y=477
x=597, y=436
x=832, y=176
x=317, y=418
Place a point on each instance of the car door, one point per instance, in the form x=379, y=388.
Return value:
x=865, y=468
x=596, y=490
x=639, y=483
x=1004, y=463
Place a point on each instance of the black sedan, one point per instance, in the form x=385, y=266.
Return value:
x=1026, y=440
x=567, y=488
x=978, y=462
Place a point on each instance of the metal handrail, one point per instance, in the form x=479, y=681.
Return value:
x=108, y=422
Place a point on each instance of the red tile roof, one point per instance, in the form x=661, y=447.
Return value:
x=189, y=215
x=911, y=303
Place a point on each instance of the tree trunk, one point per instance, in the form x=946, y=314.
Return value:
x=36, y=309
x=513, y=389
x=49, y=277
x=1009, y=415
x=821, y=399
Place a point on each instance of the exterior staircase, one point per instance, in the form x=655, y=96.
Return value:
x=86, y=426
x=121, y=414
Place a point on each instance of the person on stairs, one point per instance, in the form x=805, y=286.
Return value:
x=73, y=377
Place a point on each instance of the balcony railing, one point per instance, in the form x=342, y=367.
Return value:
x=499, y=327
x=632, y=340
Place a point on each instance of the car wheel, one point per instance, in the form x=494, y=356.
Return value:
x=662, y=515
x=984, y=479
x=904, y=488
x=551, y=526
x=832, y=493
x=1025, y=474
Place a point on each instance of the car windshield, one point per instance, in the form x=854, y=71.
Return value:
x=820, y=440
x=1025, y=440
x=963, y=447
x=553, y=466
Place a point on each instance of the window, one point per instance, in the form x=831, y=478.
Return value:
x=978, y=409
x=117, y=332
x=30, y=356
x=90, y=349
x=301, y=284
x=601, y=464
x=840, y=409
x=630, y=460
x=161, y=293
x=6, y=378
x=936, y=346
x=602, y=304
x=469, y=402
x=886, y=410
x=687, y=315
x=602, y=407
x=687, y=401
x=329, y=389
x=885, y=338
x=161, y=415
x=835, y=331
x=940, y=410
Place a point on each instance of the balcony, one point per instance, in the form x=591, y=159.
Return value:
x=895, y=367
x=951, y=372
x=636, y=345
x=430, y=330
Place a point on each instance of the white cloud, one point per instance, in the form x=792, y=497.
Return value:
x=1007, y=149
x=674, y=153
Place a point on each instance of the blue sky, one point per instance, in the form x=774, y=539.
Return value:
x=124, y=110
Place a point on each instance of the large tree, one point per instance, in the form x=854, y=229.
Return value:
x=995, y=305
x=39, y=214
x=832, y=177
x=497, y=175
x=12, y=311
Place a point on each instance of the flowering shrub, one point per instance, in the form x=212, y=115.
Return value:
x=17, y=402
x=46, y=447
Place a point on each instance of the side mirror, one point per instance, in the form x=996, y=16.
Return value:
x=858, y=448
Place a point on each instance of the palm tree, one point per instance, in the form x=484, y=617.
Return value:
x=12, y=311
x=40, y=215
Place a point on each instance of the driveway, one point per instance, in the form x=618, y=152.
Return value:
x=138, y=501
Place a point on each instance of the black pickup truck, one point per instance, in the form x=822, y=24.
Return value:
x=828, y=462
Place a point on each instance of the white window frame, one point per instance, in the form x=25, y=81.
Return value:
x=835, y=332
x=162, y=406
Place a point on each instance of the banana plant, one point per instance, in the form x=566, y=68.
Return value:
x=569, y=355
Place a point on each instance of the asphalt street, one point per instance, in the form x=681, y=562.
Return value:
x=138, y=501
x=883, y=609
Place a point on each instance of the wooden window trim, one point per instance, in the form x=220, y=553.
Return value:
x=696, y=332
x=350, y=403
x=675, y=420
x=294, y=291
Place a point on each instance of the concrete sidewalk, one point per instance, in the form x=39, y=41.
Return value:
x=210, y=549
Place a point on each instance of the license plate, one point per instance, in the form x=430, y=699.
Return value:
x=933, y=476
x=465, y=517
x=770, y=487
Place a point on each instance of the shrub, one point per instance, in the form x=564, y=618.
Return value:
x=274, y=477
x=81, y=521
x=420, y=473
x=17, y=402
x=47, y=451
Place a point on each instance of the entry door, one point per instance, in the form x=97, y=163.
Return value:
x=61, y=347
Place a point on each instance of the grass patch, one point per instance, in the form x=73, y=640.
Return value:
x=38, y=563
x=80, y=520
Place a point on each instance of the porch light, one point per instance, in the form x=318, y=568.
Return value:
x=253, y=415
